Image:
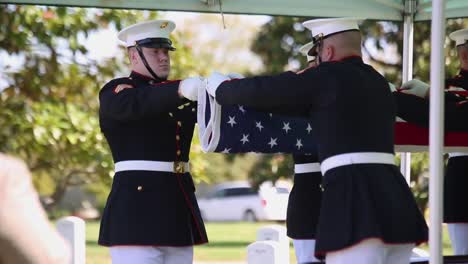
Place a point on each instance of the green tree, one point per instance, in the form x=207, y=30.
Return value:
x=49, y=106
x=278, y=43
x=279, y=40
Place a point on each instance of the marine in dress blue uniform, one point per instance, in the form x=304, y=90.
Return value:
x=305, y=197
x=368, y=213
x=304, y=207
x=416, y=109
x=151, y=215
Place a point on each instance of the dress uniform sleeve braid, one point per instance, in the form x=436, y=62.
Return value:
x=139, y=101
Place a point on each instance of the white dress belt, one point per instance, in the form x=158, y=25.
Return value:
x=151, y=165
x=356, y=158
x=457, y=154
x=306, y=167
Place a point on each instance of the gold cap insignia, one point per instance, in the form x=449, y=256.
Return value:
x=164, y=25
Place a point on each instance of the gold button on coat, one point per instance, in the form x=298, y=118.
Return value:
x=140, y=188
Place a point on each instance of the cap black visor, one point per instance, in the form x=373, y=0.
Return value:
x=162, y=43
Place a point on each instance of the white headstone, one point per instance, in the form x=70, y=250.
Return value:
x=276, y=233
x=263, y=252
x=73, y=230
x=419, y=255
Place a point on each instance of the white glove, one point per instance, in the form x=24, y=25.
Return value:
x=188, y=88
x=392, y=87
x=214, y=81
x=416, y=87
x=235, y=75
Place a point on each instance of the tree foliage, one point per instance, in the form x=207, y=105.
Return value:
x=279, y=40
x=50, y=103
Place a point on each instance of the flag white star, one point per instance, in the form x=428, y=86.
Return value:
x=299, y=143
x=232, y=121
x=286, y=127
x=309, y=128
x=241, y=108
x=272, y=142
x=245, y=138
x=271, y=115
x=259, y=125
x=226, y=150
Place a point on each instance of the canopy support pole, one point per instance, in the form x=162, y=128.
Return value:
x=408, y=40
x=436, y=131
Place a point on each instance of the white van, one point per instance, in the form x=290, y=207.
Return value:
x=238, y=201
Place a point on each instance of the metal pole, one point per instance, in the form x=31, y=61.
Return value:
x=436, y=131
x=405, y=166
x=408, y=39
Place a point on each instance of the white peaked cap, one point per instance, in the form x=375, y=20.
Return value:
x=330, y=26
x=304, y=50
x=145, y=30
x=460, y=36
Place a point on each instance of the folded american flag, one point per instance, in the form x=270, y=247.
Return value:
x=238, y=129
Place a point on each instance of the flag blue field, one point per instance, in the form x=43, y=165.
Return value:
x=238, y=129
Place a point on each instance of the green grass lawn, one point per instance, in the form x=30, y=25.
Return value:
x=228, y=242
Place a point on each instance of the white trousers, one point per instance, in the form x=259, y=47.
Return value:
x=372, y=251
x=305, y=250
x=459, y=236
x=151, y=255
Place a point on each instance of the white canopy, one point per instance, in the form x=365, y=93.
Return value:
x=406, y=11
x=370, y=9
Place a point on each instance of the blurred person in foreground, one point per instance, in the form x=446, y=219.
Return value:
x=26, y=236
